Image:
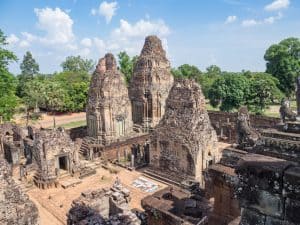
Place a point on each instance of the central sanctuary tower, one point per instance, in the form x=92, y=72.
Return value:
x=108, y=110
x=150, y=84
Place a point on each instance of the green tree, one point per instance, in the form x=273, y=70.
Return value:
x=283, y=62
x=187, y=71
x=29, y=69
x=263, y=91
x=54, y=97
x=229, y=91
x=76, y=84
x=126, y=65
x=77, y=64
x=8, y=99
x=208, y=78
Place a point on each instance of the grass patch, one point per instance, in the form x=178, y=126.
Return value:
x=73, y=124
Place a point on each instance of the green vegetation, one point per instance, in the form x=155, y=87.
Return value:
x=74, y=124
x=8, y=83
x=77, y=64
x=283, y=62
x=126, y=65
x=67, y=91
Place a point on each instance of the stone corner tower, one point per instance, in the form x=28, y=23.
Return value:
x=184, y=142
x=108, y=110
x=150, y=84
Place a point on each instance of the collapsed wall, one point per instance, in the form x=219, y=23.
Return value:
x=103, y=207
x=16, y=208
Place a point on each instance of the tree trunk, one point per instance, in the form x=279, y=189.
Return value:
x=54, y=122
x=36, y=108
x=27, y=116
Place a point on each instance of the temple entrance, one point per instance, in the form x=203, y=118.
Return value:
x=63, y=163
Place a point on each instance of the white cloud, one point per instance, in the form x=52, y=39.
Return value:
x=268, y=20
x=141, y=28
x=12, y=39
x=24, y=44
x=87, y=42
x=277, y=5
x=272, y=19
x=106, y=9
x=230, y=19
x=249, y=23
x=56, y=23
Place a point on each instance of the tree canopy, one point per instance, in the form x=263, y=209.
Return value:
x=283, y=62
x=77, y=64
x=187, y=71
x=229, y=91
x=29, y=69
x=8, y=99
x=126, y=65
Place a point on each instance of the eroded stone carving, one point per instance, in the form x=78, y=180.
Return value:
x=150, y=84
x=108, y=109
x=16, y=208
x=184, y=141
x=247, y=136
x=286, y=112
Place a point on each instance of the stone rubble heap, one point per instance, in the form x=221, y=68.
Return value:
x=103, y=207
x=15, y=206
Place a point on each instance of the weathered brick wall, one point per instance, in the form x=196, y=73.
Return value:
x=77, y=132
x=225, y=124
x=123, y=147
x=268, y=191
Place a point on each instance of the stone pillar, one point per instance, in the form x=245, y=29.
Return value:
x=132, y=160
x=298, y=95
x=118, y=155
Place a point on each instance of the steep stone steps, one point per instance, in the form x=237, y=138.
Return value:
x=271, y=133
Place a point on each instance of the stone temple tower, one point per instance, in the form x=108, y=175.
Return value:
x=108, y=110
x=150, y=84
x=183, y=144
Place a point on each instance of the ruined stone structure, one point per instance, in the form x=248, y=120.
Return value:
x=150, y=84
x=176, y=207
x=108, y=110
x=286, y=112
x=15, y=206
x=184, y=142
x=11, y=143
x=268, y=191
x=298, y=95
x=247, y=136
x=54, y=153
x=225, y=124
x=103, y=207
x=220, y=181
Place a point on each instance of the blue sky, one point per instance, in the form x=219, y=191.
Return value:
x=232, y=34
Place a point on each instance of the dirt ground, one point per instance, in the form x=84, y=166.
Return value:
x=47, y=120
x=53, y=204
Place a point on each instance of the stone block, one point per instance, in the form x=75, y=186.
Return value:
x=274, y=221
x=262, y=172
x=264, y=202
x=250, y=217
x=292, y=210
x=292, y=183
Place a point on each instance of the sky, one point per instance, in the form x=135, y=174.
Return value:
x=232, y=34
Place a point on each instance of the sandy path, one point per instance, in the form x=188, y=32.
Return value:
x=47, y=120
